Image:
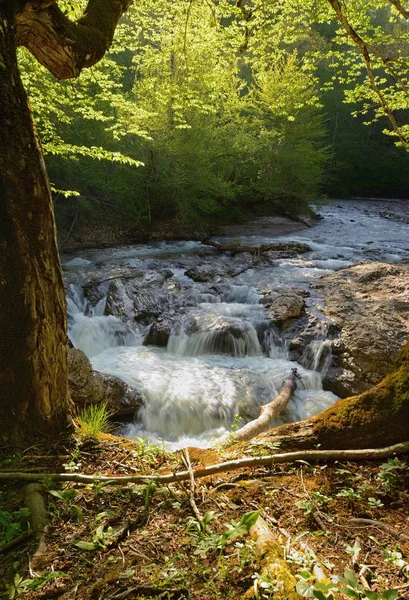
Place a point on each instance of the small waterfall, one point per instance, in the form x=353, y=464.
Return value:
x=232, y=341
x=241, y=294
x=317, y=355
x=275, y=346
x=215, y=333
x=224, y=356
x=99, y=309
x=76, y=299
x=95, y=334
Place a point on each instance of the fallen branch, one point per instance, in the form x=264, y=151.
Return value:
x=153, y=591
x=232, y=465
x=268, y=413
x=128, y=276
x=237, y=248
x=192, y=501
x=254, y=262
x=380, y=525
x=14, y=542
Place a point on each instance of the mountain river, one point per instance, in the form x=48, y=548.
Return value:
x=223, y=356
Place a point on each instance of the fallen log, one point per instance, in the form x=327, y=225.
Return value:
x=232, y=465
x=268, y=412
x=284, y=247
x=373, y=419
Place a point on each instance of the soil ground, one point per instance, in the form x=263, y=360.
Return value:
x=143, y=541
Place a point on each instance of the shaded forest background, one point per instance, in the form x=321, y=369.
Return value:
x=202, y=111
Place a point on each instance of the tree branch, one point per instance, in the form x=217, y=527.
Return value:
x=400, y=8
x=232, y=465
x=363, y=47
x=65, y=47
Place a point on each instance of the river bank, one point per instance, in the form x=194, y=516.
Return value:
x=100, y=235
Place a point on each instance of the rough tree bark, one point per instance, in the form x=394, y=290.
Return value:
x=33, y=341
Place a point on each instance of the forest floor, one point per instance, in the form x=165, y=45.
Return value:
x=133, y=541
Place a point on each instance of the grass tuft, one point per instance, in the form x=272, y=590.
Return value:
x=92, y=420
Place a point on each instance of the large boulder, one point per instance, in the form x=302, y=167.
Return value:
x=89, y=387
x=369, y=305
x=281, y=306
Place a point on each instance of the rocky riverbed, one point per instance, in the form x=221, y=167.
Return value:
x=198, y=335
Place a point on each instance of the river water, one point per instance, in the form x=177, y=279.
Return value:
x=223, y=358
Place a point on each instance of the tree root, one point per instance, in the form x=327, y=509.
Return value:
x=34, y=500
x=232, y=465
x=272, y=565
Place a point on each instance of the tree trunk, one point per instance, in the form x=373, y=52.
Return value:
x=376, y=418
x=33, y=339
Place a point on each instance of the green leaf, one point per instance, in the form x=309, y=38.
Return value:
x=390, y=594
x=324, y=586
x=79, y=512
x=351, y=577
x=351, y=593
x=243, y=526
x=208, y=517
x=372, y=595
x=305, y=574
x=304, y=588
x=319, y=595
x=105, y=513
x=57, y=494
x=85, y=545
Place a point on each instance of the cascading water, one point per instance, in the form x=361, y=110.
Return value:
x=223, y=357
x=318, y=353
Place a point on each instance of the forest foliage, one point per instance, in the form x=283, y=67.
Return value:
x=202, y=108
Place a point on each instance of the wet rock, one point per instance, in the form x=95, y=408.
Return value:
x=206, y=272
x=158, y=334
x=98, y=287
x=149, y=305
x=95, y=290
x=144, y=299
x=289, y=250
x=119, y=300
x=394, y=216
x=210, y=334
x=89, y=387
x=306, y=336
x=283, y=306
x=368, y=304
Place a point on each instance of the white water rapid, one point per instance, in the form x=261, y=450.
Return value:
x=222, y=357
